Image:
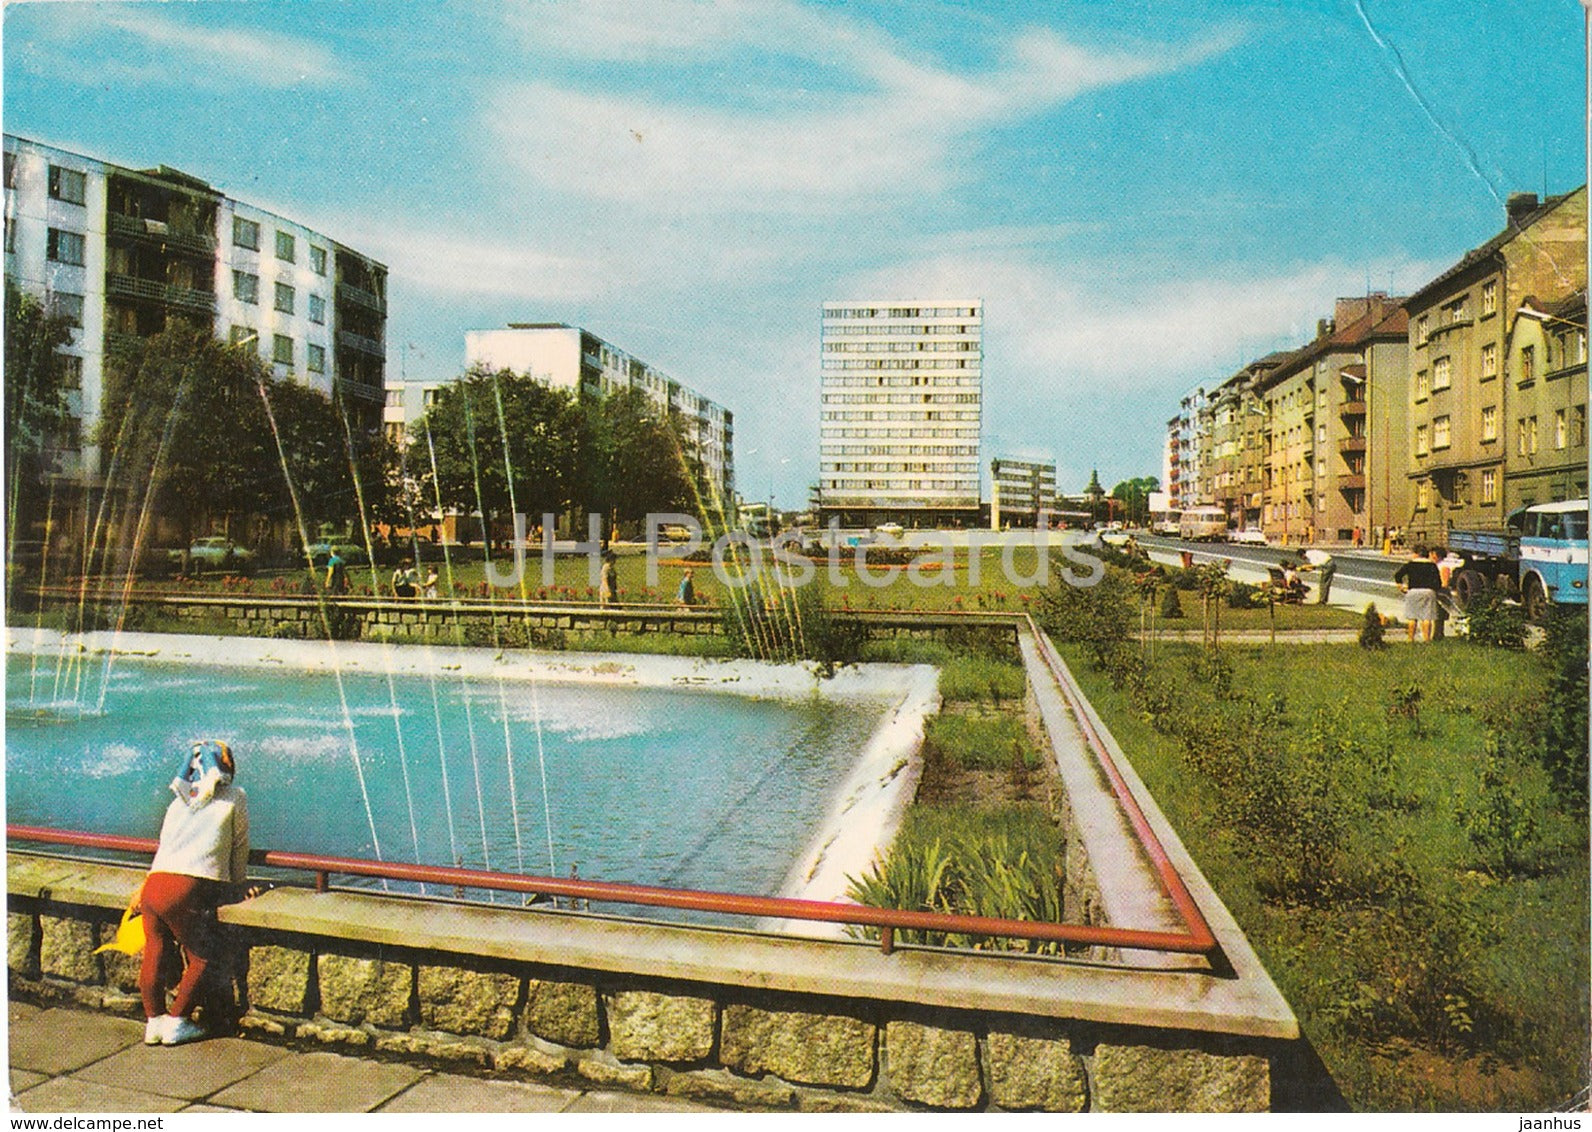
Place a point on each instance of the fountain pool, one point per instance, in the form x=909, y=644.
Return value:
x=672, y=785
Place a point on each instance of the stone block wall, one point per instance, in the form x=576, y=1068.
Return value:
x=734, y=1045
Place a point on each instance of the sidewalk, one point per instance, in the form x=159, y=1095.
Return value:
x=66, y=1059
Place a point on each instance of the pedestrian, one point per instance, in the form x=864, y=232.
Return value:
x=336, y=573
x=201, y=861
x=686, y=594
x=1439, y=558
x=405, y=582
x=1419, y=581
x=1325, y=567
x=608, y=590
x=1359, y=537
x=431, y=583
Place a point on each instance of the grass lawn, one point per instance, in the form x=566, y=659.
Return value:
x=1379, y=827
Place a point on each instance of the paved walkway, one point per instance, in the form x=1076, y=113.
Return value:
x=65, y=1059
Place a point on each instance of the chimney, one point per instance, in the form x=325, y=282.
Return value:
x=1324, y=326
x=1520, y=205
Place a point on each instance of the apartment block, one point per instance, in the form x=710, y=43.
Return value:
x=1233, y=439
x=1180, y=461
x=1329, y=474
x=902, y=391
x=1546, y=390
x=568, y=357
x=123, y=252
x=1020, y=490
x=1475, y=404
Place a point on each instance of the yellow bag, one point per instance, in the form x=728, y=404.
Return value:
x=129, y=936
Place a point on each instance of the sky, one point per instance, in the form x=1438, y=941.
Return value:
x=1145, y=194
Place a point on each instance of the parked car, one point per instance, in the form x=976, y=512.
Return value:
x=894, y=530
x=215, y=552
x=1249, y=536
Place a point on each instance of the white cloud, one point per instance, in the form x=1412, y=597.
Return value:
x=875, y=127
x=140, y=43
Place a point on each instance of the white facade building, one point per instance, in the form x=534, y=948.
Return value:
x=121, y=251
x=568, y=357
x=902, y=389
x=1020, y=491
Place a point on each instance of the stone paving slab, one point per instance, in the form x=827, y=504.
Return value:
x=59, y=1041
x=71, y=1094
x=23, y=1079
x=21, y=1011
x=450, y=1092
x=187, y=1072
x=602, y=1101
x=319, y=1082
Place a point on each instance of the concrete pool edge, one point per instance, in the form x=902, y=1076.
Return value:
x=640, y=670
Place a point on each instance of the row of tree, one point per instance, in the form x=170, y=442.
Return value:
x=198, y=436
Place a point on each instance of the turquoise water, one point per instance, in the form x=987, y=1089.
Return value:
x=694, y=790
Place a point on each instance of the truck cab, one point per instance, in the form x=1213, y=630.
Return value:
x=1553, y=554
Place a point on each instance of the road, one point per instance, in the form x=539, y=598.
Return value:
x=1363, y=575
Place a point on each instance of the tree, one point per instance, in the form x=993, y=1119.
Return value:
x=38, y=421
x=1134, y=496
x=503, y=443
x=637, y=463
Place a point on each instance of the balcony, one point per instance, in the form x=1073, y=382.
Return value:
x=1351, y=444
x=1352, y=408
x=1351, y=481
x=158, y=232
x=359, y=297
x=120, y=286
x=361, y=343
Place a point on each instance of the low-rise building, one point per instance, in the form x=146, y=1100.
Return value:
x=1019, y=491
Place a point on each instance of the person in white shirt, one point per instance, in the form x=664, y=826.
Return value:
x=204, y=849
x=1321, y=562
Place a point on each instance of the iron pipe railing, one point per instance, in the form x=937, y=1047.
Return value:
x=888, y=920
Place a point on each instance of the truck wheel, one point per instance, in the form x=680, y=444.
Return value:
x=1469, y=587
x=1536, y=599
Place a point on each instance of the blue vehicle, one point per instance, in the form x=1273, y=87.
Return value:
x=1540, y=557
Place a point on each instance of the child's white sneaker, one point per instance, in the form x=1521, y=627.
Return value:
x=180, y=1030
x=155, y=1029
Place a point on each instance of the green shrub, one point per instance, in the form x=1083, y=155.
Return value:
x=1171, y=608
x=1100, y=616
x=1242, y=595
x=1372, y=631
x=1496, y=622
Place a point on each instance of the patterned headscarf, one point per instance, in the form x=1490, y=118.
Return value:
x=207, y=764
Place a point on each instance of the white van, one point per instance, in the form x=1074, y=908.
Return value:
x=1203, y=524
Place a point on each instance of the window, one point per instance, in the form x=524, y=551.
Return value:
x=317, y=359
x=1561, y=428
x=1578, y=426
x=1528, y=363
x=11, y=235
x=63, y=305
x=1531, y=436
x=1489, y=486
x=1442, y=374
x=1489, y=360
x=1423, y=494
x=67, y=184
x=286, y=246
x=1520, y=436
x=245, y=233
x=11, y=169
x=1489, y=423
x=1440, y=432
x=318, y=310
x=1422, y=446
x=318, y=260
x=284, y=298
x=65, y=247
x=71, y=371
x=245, y=287
x=239, y=335
x=282, y=349
x=1423, y=329
x=1423, y=385
x=1489, y=298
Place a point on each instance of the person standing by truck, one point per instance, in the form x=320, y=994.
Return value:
x=1420, y=582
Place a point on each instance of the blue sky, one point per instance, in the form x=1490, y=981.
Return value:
x=1145, y=194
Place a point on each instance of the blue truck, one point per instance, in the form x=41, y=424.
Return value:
x=1538, y=558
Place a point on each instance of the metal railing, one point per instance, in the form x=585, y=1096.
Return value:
x=887, y=920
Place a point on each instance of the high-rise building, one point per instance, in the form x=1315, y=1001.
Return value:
x=122, y=251
x=568, y=357
x=1019, y=491
x=901, y=412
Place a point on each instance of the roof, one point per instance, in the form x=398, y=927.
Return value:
x=1486, y=251
x=1564, y=505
